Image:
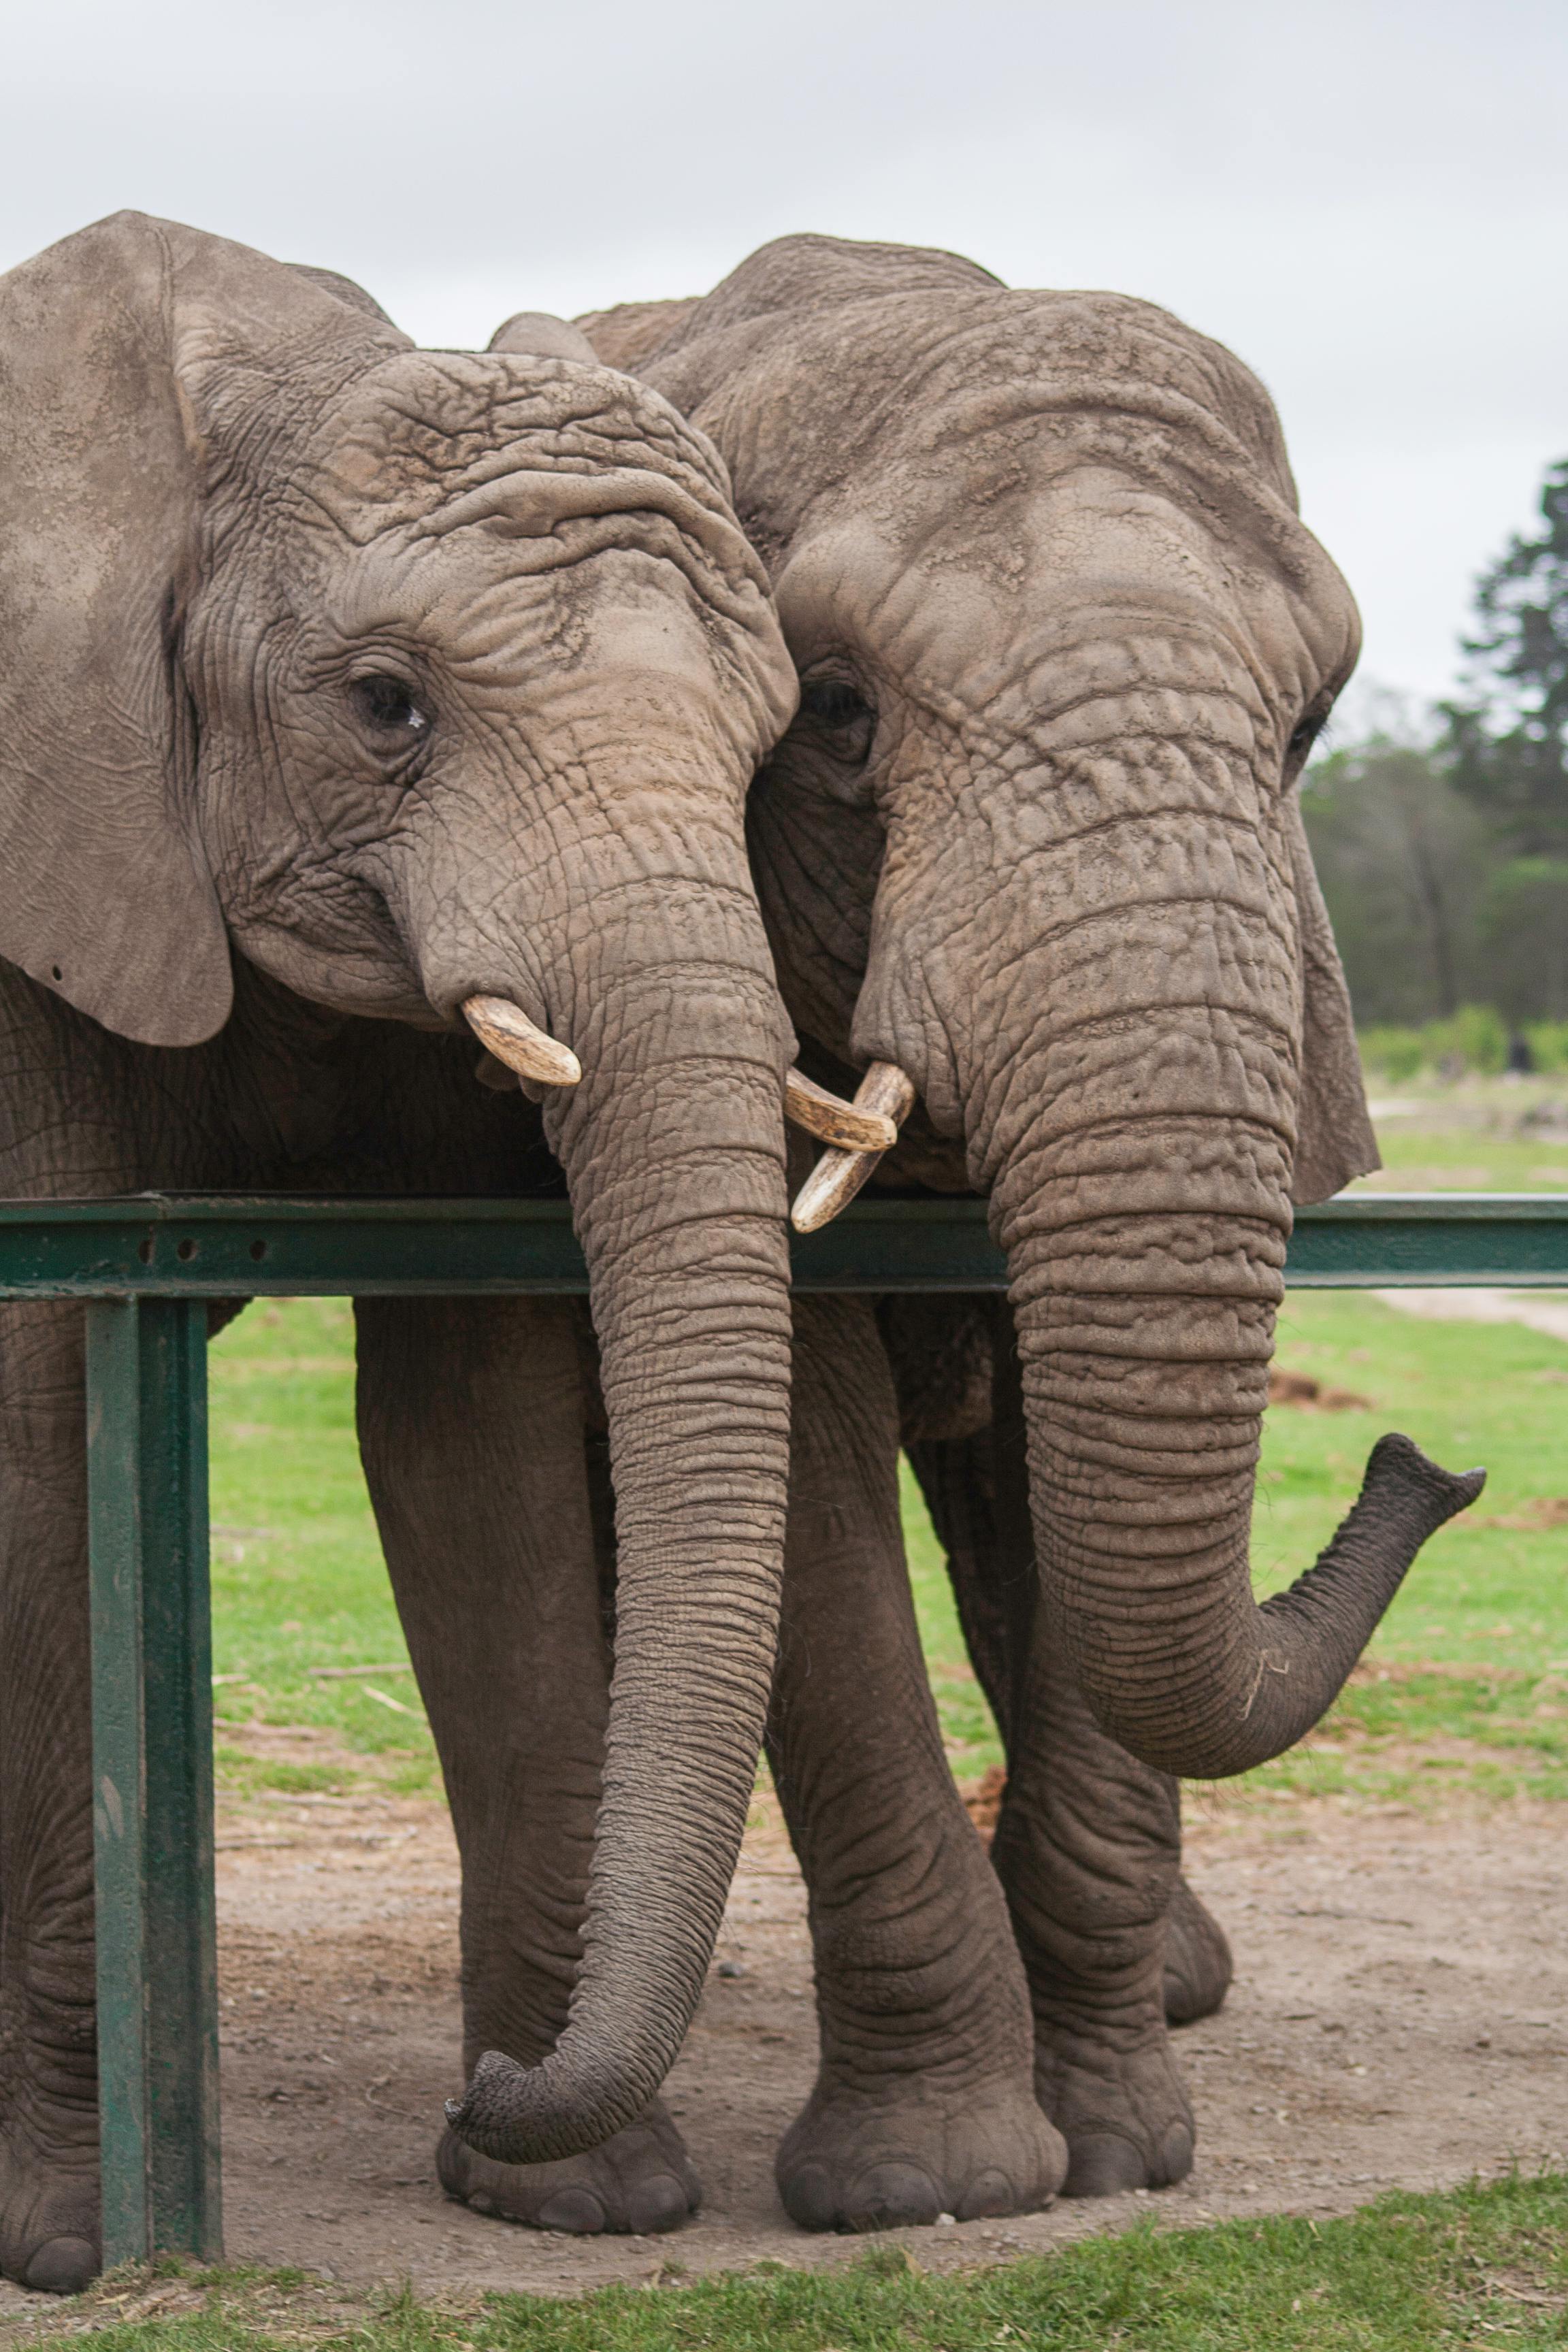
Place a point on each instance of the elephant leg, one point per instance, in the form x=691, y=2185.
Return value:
x=48, y=2088
x=977, y=1489
x=1198, y=1964
x=471, y=1429
x=1087, y=1847
x=923, y=2103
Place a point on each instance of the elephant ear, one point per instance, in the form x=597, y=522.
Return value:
x=106, y=895
x=541, y=335
x=1334, y=1139
x=343, y=290
x=634, y=332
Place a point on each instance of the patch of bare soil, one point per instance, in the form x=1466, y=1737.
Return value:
x=1400, y=2017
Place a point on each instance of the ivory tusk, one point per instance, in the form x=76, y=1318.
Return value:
x=512, y=1038
x=833, y=1120
x=838, y=1175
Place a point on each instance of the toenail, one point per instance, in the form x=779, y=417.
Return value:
x=808, y=2197
x=1104, y=2164
x=988, y=2195
x=657, y=2204
x=1176, y=2154
x=892, y=2196
x=576, y=2209
x=62, y=2266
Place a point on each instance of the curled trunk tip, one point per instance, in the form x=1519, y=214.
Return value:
x=535, y=2115
x=1291, y=1656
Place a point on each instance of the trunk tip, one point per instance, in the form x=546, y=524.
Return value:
x=1397, y=1460
x=533, y=2115
x=494, y=2113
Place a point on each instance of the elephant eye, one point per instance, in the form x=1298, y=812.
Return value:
x=387, y=707
x=843, y=713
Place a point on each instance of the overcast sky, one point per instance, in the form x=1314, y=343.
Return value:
x=1366, y=199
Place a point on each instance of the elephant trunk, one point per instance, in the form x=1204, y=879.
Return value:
x=1134, y=941
x=1145, y=1346
x=673, y=1150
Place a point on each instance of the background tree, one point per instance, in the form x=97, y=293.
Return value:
x=1508, y=743
x=1404, y=863
x=1444, y=858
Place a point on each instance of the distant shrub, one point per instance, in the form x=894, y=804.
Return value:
x=1475, y=1038
x=1473, y=1041
x=1548, y=1043
x=1392, y=1054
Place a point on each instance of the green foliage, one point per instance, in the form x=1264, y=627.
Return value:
x=1509, y=742
x=1476, y=1042
x=1475, y=1039
x=1548, y=1043
x=1445, y=864
x=1486, y=2263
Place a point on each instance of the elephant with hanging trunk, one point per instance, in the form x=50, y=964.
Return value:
x=1029, y=854
x=358, y=701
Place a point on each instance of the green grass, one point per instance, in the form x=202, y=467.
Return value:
x=1417, y=1160
x=299, y=1579
x=1487, y=1606
x=298, y=1576
x=1486, y=2265
x=1475, y=1135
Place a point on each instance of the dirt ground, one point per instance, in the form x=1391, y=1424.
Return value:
x=1400, y=2016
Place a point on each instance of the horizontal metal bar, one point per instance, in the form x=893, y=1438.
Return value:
x=233, y=1245
x=1377, y=1241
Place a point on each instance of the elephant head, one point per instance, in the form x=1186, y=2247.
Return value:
x=1032, y=842
x=432, y=684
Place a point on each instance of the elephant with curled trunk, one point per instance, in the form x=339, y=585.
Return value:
x=1030, y=853
x=355, y=699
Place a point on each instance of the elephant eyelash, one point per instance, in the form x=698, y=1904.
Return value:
x=844, y=712
x=1311, y=728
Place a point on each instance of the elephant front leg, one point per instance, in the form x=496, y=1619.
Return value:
x=977, y=1493
x=48, y=2091
x=1088, y=1850
x=472, y=1427
x=924, y=2103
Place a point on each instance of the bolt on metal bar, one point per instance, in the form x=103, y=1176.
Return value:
x=152, y=1778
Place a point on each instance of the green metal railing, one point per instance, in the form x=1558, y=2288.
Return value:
x=146, y=1267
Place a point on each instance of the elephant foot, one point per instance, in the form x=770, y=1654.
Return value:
x=902, y=2156
x=638, y=2184
x=49, y=2223
x=1198, y=1965
x=1122, y=2112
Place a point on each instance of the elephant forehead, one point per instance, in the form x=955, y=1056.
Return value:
x=422, y=426
x=1050, y=600
x=916, y=372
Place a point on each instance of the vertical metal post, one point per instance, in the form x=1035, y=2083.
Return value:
x=152, y=1791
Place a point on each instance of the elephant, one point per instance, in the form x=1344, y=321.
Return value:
x=363, y=705
x=1030, y=859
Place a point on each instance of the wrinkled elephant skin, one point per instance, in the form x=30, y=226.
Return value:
x=342, y=684
x=1033, y=839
